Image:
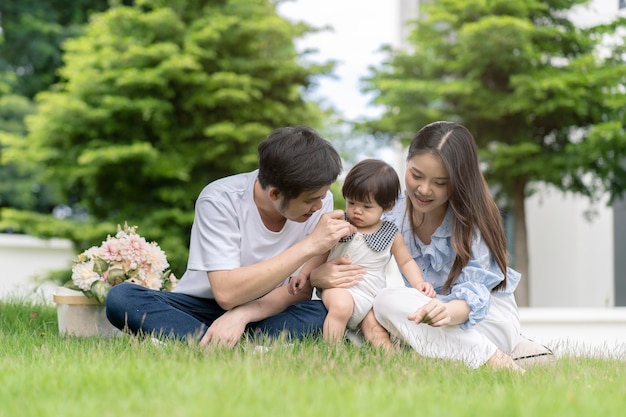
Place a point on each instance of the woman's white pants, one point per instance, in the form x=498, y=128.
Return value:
x=474, y=346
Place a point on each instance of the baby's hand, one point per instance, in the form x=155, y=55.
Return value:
x=427, y=289
x=296, y=284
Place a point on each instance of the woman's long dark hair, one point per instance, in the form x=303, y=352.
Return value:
x=470, y=200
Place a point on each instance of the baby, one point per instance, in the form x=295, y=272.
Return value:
x=370, y=189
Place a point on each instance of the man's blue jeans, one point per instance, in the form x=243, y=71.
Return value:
x=161, y=313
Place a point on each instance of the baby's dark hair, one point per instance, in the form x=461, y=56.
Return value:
x=372, y=177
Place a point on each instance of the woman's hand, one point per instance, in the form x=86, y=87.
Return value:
x=434, y=313
x=338, y=273
x=437, y=313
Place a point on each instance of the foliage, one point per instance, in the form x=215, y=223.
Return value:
x=31, y=34
x=158, y=99
x=16, y=185
x=339, y=201
x=85, y=376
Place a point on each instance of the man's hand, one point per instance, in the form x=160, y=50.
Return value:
x=226, y=330
x=330, y=228
x=338, y=273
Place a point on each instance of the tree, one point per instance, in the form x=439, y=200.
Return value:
x=157, y=99
x=31, y=34
x=16, y=188
x=544, y=98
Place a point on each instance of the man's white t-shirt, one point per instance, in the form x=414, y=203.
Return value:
x=227, y=232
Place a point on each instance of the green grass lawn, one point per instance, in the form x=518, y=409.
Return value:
x=43, y=373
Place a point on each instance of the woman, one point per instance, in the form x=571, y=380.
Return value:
x=454, y=231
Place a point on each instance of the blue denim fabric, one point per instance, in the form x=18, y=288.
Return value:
x=141, y=310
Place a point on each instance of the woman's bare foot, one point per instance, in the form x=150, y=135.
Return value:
x=501, y=360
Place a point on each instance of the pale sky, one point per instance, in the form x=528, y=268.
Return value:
x=360, y=28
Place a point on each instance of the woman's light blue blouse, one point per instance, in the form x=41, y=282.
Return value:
x=477, y=279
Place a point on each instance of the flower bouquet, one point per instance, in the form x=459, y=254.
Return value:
x=125, y=257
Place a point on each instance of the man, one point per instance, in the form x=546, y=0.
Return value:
x=251, y=232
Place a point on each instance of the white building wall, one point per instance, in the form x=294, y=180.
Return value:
x=409, y=10
x=570, y=257
x=26, y=260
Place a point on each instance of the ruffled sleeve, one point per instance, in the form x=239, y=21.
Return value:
x=477, y=279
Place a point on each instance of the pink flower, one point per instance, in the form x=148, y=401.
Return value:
x=133, y=249
x=111, y=250
x=123, y=257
